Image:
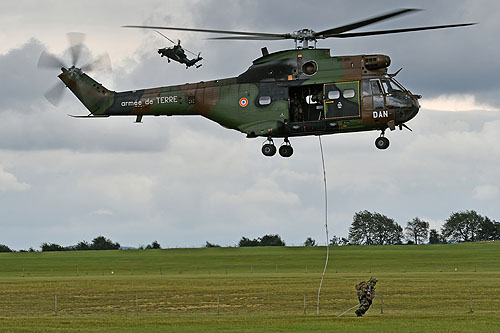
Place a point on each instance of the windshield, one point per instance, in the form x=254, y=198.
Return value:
x=391, y=85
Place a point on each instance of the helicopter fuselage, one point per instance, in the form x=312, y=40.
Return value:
x=284, y=94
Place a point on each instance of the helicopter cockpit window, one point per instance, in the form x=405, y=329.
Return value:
x=397, y=85
x=265, y=100
x=391, y=86
x=334, y=94
x=349, y=93
x=376, y=89
x=365, y=88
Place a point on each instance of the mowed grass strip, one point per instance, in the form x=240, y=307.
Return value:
x=222, y=288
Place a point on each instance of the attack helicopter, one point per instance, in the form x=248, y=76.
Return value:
x=297, y=92
x=178, y=53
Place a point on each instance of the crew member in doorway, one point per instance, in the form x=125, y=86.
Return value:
x=298, y=111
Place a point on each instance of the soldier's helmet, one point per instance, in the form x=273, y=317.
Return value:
x=372, y=281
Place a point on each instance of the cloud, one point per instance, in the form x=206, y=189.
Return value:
x=119, y=188
x=456, y=103
x=102, y=212
x=9, y=182
x=486, y=192
x=22, y=83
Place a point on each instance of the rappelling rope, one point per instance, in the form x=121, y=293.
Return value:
x=326, y=223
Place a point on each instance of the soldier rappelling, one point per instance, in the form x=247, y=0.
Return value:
x=366, y=293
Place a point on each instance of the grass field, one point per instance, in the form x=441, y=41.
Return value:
x=423, y=288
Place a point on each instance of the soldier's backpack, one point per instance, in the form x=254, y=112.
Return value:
x=360, y=285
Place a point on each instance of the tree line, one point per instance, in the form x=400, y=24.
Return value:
x=367, y=228
x=98, y=243
x=376, y=229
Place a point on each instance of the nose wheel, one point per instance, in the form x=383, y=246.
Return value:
x=382, y=142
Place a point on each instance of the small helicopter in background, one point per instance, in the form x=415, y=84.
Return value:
x=178, y=53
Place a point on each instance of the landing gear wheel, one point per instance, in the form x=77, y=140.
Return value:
x=382, y=142
x=286, y=151
x=269, y=149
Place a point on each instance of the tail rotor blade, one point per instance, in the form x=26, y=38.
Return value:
x=54, y=95
x=50, y=61
x=76, y=42
x=103, y=63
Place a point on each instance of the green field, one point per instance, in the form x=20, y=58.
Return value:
x=424, y=288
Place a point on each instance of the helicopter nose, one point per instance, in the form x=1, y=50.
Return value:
x=406, y=114
x=416, y=105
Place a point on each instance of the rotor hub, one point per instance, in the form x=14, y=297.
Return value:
x=304, y=34
x=74, y=71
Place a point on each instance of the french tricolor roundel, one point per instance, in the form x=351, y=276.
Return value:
x=243, y=102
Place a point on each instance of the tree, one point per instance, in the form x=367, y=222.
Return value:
x=488, y=230
x=462, y=226
x=52, y=247
x=339, y=241
x=246, y=242
x=434, y=237
x=374, y=229
x=344, y=242
x=310, y=242
x=5, y=248
x=386, y=230
x=417, y=230
x=82, y=246
x=267, y=240
x=153, y=246
x=335, y=241
x=271, y=240
x=211, y=245
x=103, y=243
x=361, y=231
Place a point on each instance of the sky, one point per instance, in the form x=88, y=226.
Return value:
x=186, y=180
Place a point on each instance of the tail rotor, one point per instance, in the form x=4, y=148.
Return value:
x=76, y=47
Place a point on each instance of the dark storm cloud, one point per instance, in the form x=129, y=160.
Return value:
x=22, y=83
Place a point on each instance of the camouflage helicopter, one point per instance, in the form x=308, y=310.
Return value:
x=297, y=92
x=178, y=53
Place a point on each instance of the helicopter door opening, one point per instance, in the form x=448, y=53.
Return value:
x=342, y=100
x=306, y=103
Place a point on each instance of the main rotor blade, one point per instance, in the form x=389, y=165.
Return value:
x=244, y=33
x=396, y=31
x=165, y=36
x=75, y=42
x=192, y=53
x=286, y=36
x=103, y=63
x=55, y=93
x=48, y=60
x=355, y=25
